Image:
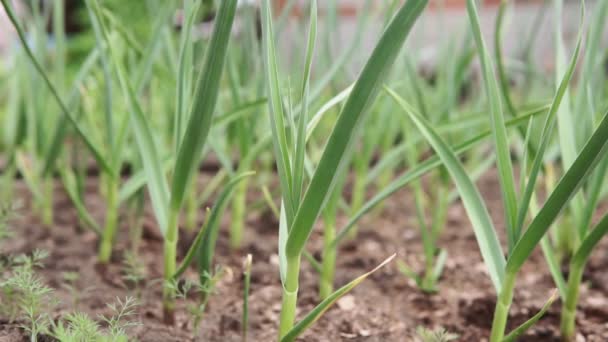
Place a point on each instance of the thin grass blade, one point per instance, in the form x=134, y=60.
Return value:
x=546, y=136
x=592, y=56
x=184, y=74
x=277, y=115
x=300, y=152
x=238, y=112
x=596, y=185
x=320, y=309
x=566, y=123
x=567, y=187
x=513, y=335
x=503, y=155
x=590, y=242
x=204, y=242
x=500, y=67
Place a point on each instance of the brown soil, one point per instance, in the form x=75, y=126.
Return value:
x=387, y=307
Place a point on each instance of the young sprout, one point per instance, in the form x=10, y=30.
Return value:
x=503, y=272
x=574, y=242
x=71, y=285
x=434, y=257
x=201, y=290
x=300, y=209
x=106, y=147
x=167, y=201
x=246, y=91
x=123, y=317
x=436, y=335
x=26, y=295
x=569, y=134
x=134, y=272
x=116, y=102
x=76, y=327
x=39, y=134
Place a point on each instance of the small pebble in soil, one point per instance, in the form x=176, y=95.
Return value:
x=274, y=260
x=347, y=303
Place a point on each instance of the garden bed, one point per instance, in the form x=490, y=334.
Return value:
x=387, y=307
x=125, y=249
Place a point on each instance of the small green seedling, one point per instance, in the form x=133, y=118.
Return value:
x=78, y=326
x=25, y=295
x=436, y=335
x=503, y=272
x=300, y=209
x=167, y=201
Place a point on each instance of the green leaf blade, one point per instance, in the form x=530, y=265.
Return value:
x=503, y=155
x=204, y=242
x=588, y=244
x=513, y=335
x=364, y=92
x=421, y=169
x=485, y=234
x=320, y=309
x=547, y=135
x=103, y=163
x=203, y=107
x=276, y=113
x=567, y=187
x=300, y=152
x=157, y=184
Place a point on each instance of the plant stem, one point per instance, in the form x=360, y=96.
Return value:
x=501, y=312
x=109, y=231
x=34, y=333
x=47, y=204
x=383, y=181
x=238, y=215
x=428, y=281
x=358, y=194
x=568, y=317
x=191, y=211
x=566, y=238
x=290, y=296
x=170, y=255
x=441, y=211
x=326, y=285
x=136, y=222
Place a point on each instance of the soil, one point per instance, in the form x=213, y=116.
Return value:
x=386, y=307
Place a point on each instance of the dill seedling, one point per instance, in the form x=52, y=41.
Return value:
x=435, y=335
x=122, y=319
x=25, y=295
